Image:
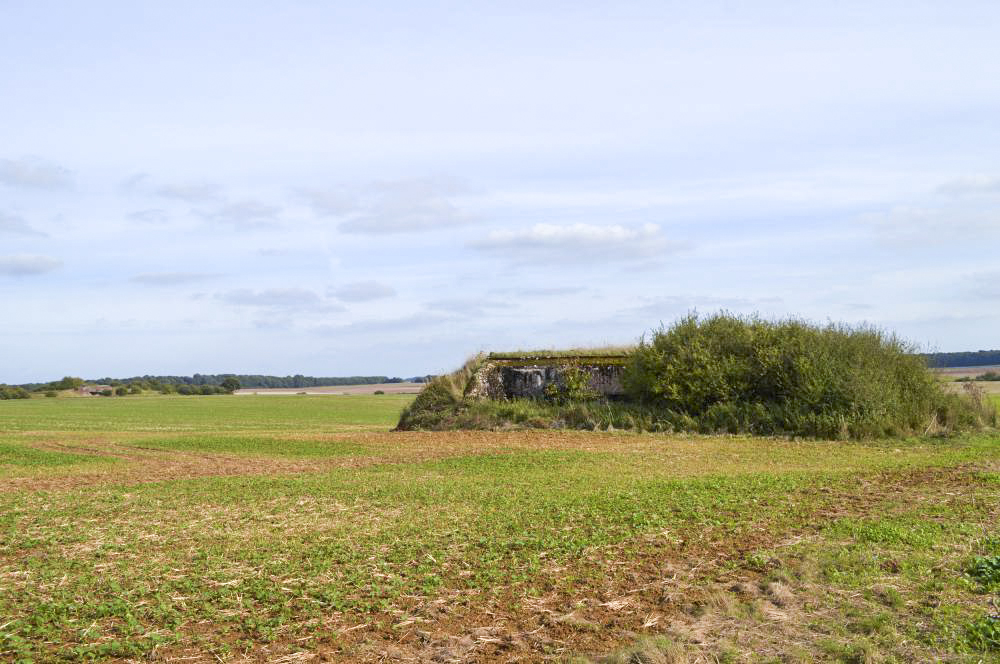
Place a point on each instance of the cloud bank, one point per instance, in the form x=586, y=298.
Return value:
x=362, y=291
x=23, y=265
x=16, y=225
x=190, y=192
x=396, y=206
x=577, y=242
x=34, y=173
x=172, y=278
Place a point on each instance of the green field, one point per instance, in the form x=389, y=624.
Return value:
x=300, y=529
x=216, y=413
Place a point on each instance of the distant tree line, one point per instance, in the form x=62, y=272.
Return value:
x=256, y=380
x=211, y=383
x=978, y=358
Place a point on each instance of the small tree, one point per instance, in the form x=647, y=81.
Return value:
x=68, y=383
x=230, y=384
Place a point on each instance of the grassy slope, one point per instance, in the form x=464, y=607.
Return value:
x=418, y=538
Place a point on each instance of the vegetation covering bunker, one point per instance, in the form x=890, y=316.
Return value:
x=717, y=374
x=534, y=375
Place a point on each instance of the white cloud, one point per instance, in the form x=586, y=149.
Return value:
x=151, y=216
x=172, y=278
x=133, y=183
x=34, y=173
x=405, y=324
x=22, y=265
x=362, y=291
x=329, y=202
x=16, y=225
x=538, y=292
x=285, y=299
x=976, y=184
x=247, y=214
x=191, y=192
x=400, y=206
x=676, y=305
x=578, y=242
x=929, y=226
x=469, y=306
x=985, y=285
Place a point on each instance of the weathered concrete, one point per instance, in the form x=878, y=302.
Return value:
x=512, y=379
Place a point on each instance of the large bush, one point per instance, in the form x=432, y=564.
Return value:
x=746, y=374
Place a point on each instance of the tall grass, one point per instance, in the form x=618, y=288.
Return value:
x=441, y=397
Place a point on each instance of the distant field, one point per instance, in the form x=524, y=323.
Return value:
x=388, y=388
x=991, y=387
x=966, y=372
x=214, y=413
x=299, y=529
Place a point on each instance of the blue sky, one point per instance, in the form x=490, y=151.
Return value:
x=341, y=188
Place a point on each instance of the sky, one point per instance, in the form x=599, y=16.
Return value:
x=334, y=188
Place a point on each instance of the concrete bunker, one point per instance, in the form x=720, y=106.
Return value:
x=528, y=375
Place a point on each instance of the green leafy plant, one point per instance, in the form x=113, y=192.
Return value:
x=984, y=633
x=986, y=570
x=571, y=386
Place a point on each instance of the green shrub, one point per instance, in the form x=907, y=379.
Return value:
x=746, y=374
x=573, y=386
x=9, y=392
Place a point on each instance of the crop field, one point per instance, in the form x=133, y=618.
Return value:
x=990, y=387
x=371, y=388
x=300, y=529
